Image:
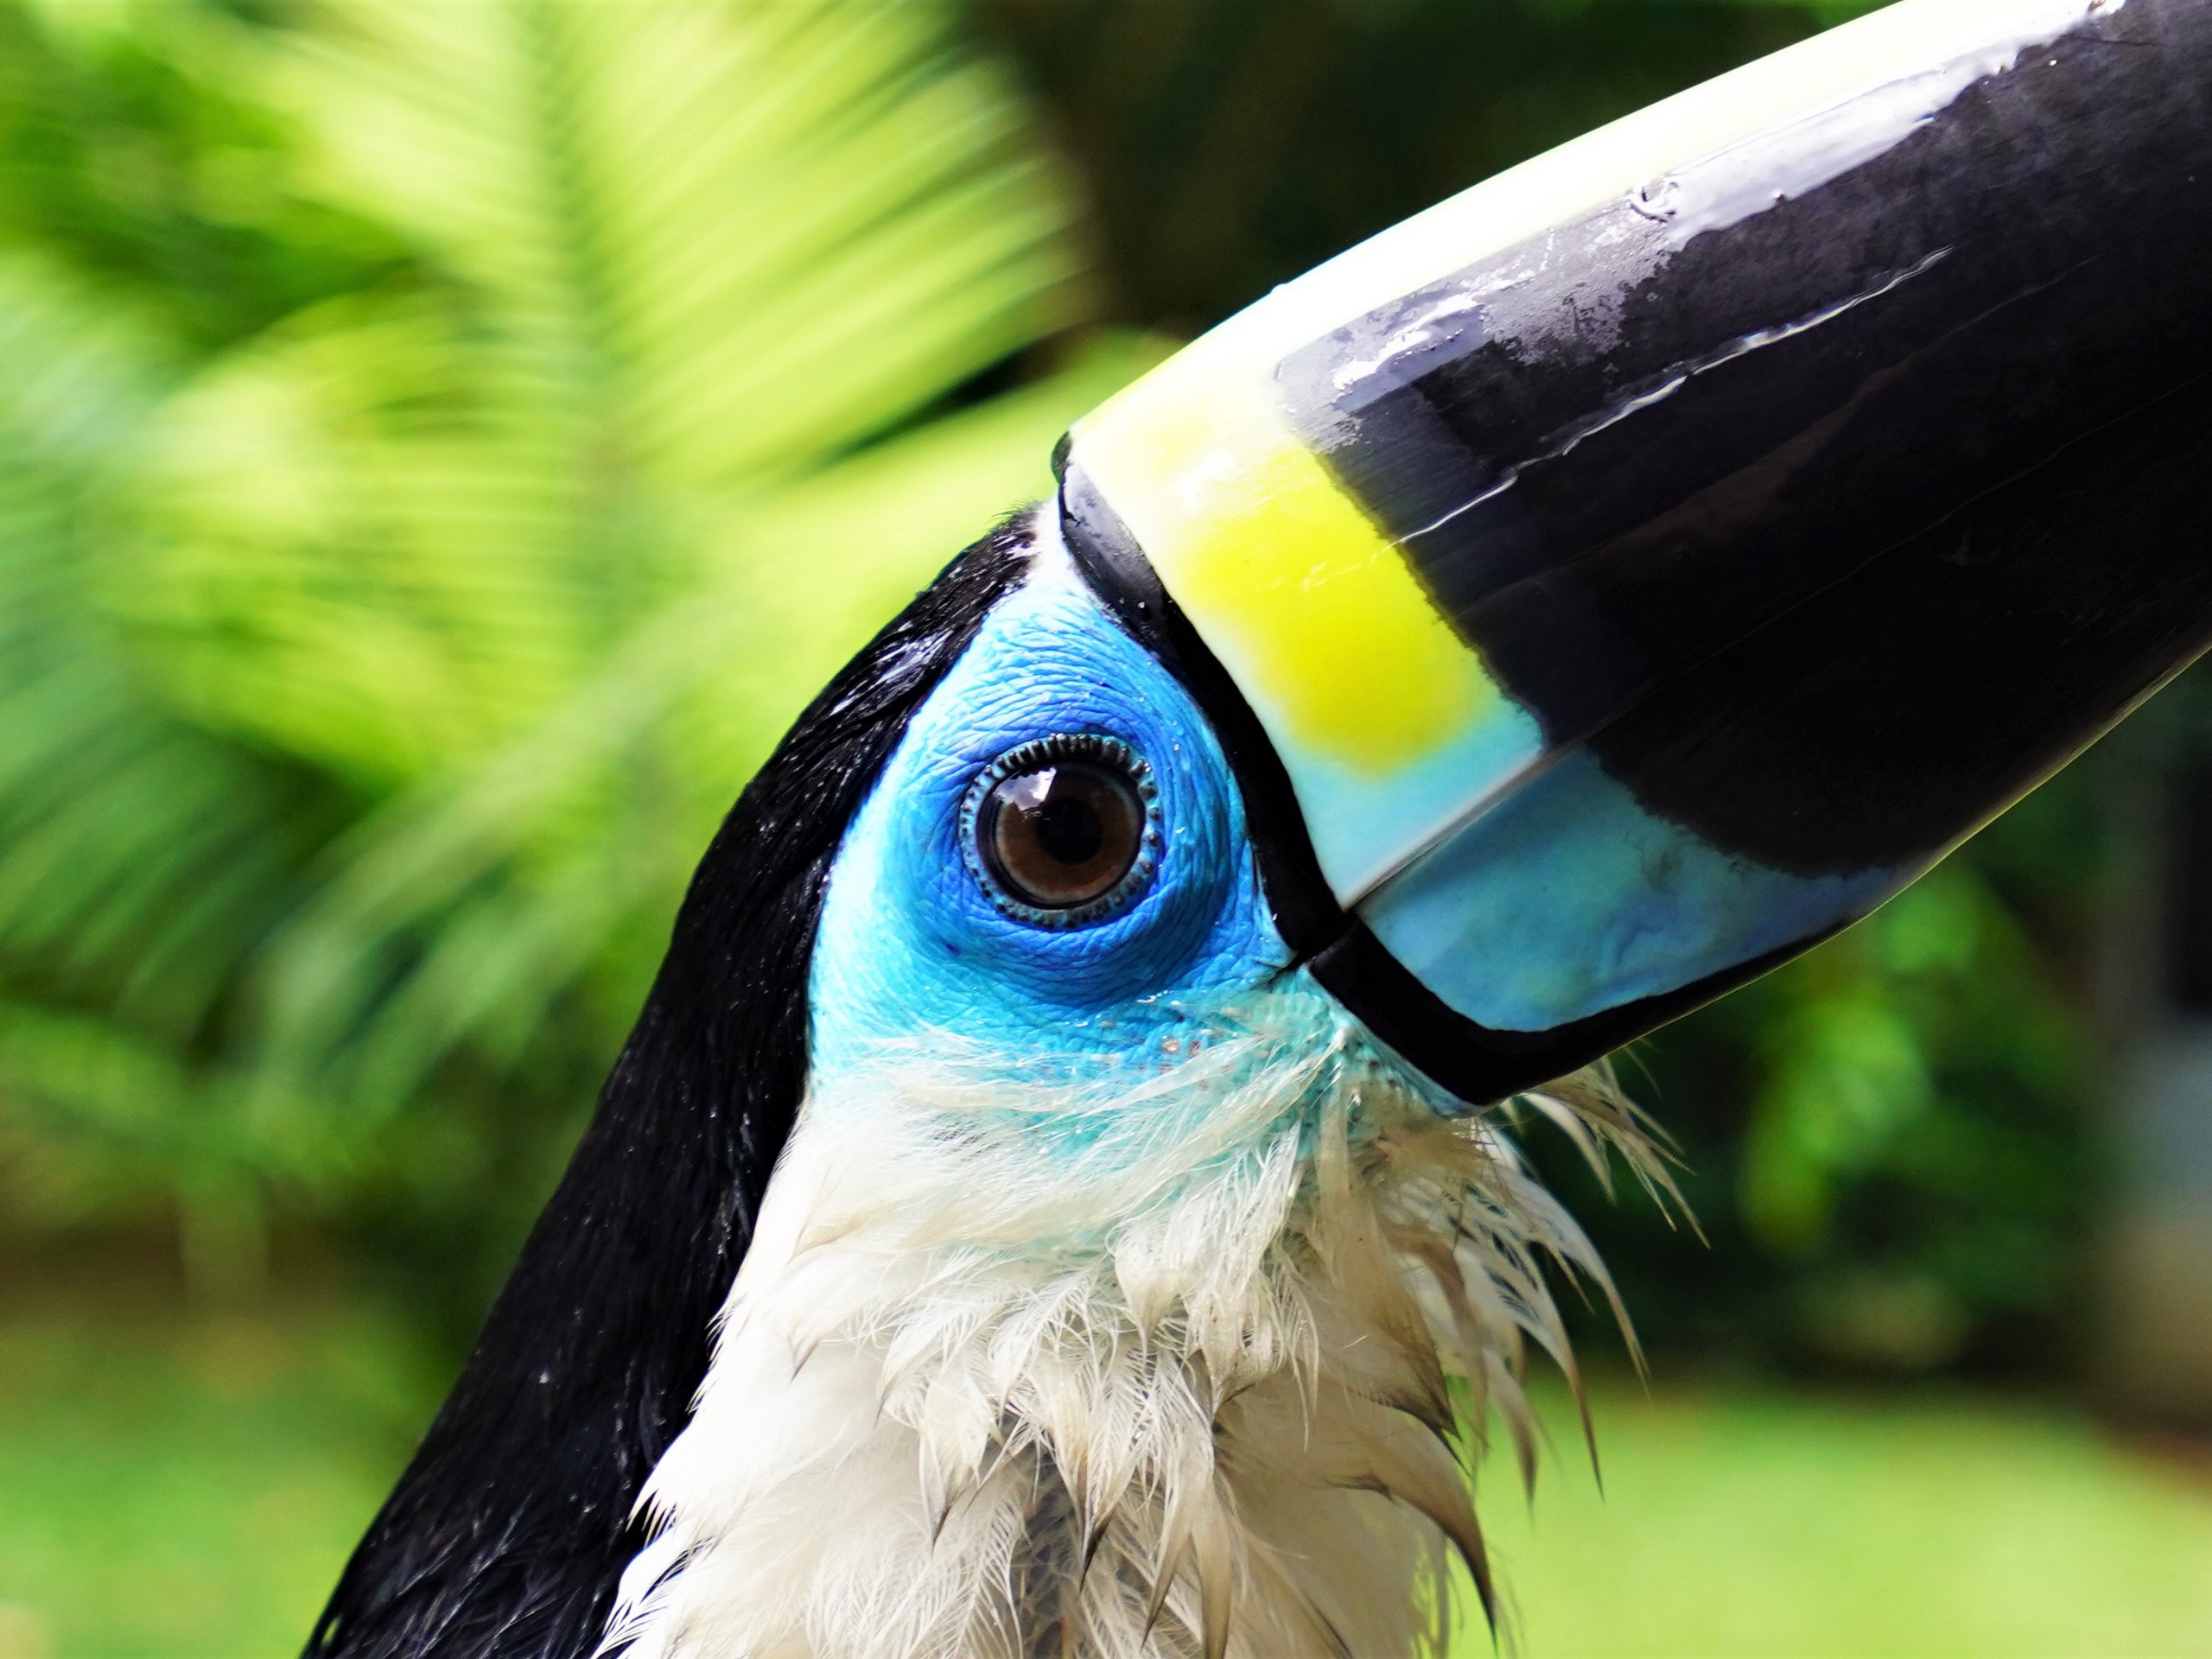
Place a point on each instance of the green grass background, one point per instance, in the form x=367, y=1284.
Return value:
x=1760, y=1524
x=180, y=1487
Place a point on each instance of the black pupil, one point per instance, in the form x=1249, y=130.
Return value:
x=1068, y=828
x=1064, y=835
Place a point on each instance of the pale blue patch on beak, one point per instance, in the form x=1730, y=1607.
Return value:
x=1363, y=821
x=1567, y=899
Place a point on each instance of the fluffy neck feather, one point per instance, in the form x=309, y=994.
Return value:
x=1152, y=1367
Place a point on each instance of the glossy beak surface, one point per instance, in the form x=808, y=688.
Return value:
x=1626, y=573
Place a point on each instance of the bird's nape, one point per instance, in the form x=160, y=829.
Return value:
x=1526, y=626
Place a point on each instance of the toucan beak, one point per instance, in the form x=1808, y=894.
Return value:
x=1625, y=575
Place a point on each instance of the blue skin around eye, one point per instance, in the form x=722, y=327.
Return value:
x=910, y=945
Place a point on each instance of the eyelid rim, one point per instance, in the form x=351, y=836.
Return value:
x=1099, y=748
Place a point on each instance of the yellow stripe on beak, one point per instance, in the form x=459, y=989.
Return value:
x=1344, y=657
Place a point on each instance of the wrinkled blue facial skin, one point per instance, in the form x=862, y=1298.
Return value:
x=910, y=948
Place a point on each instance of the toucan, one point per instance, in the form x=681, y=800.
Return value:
x=1061, y=1197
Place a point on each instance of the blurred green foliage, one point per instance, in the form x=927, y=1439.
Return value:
x=135, y=156
x=442, y=446
x=1888, y=1141
x=440, y=449
x=1228, y=145
x=189, y=1488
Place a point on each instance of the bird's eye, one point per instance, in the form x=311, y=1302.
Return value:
x=1060, y=831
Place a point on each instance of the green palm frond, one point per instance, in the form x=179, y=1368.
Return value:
x=541, y=557
x=368, y=686
x=140, y=857
x=144, y=861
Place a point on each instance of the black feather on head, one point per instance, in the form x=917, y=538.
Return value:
x=510, y=1529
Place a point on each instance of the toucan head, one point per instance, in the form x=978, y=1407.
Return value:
x=1520, y=629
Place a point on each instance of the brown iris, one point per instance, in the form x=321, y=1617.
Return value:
x=1062, y=827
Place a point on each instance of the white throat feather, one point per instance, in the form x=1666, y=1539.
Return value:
x=1145, y=1366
